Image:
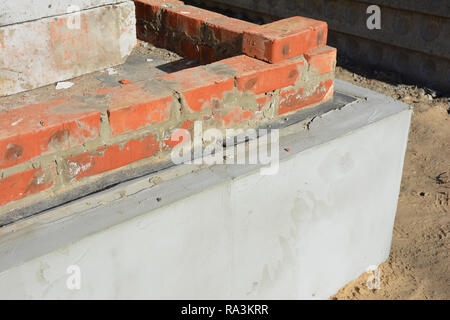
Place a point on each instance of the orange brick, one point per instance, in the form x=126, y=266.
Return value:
x=31, y=130
x=158, y=39
x=291, y=100
x=284, y=39
x=23, y=184
x=172, y=141
x=187, y=19
x=322, y=60
x=188, y=50
x=111, y=157
x=260, y=77
x=262, y=101
x=237, y=115
x=148, y=9
x=228, y=29
x=207, y=54
x=198, y=86
x=133, y=106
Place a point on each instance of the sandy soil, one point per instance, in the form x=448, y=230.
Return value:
x=418, y=266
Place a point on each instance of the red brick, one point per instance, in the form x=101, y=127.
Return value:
x=322, y=60
x=147, y=12
x=295, y=99
x=158, y=39
x=34, y=129
x=148, y=9
x=199, y=87
x=188, y=50
x=187, y=19
x=133, y=106
x=262, y=101
x=107, y=158
x=260, y=77
x=207, y=54
x=237, y=115
x=172, y=141
x=284, y=39
x=228, y=29
x=23, y=184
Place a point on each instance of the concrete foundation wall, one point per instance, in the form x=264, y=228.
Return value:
x=228, y=232
x=17, y=11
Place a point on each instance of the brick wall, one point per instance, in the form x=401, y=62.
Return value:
x=250, y=76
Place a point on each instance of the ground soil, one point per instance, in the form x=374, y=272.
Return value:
x=418, y=266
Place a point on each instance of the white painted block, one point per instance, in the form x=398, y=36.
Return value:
x=41, y=52
x=228, y=232
x=17, y=11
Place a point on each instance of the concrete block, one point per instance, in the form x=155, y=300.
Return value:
x=44, y=51
x=17, y=11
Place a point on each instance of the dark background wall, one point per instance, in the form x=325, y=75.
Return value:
x=413, y=42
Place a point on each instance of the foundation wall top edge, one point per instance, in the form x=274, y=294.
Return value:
x=19, y=11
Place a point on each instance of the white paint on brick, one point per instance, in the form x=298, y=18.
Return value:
x=76, y=168
x=40, y=179
x=15, y=123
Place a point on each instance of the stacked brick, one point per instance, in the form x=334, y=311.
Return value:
x=275, y=70
x=192, y=32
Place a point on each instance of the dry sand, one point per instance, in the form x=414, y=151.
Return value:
x=418, y=266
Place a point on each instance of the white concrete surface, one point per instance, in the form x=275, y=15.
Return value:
x=17, y=11
x=227, y=232
x=48, y=50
